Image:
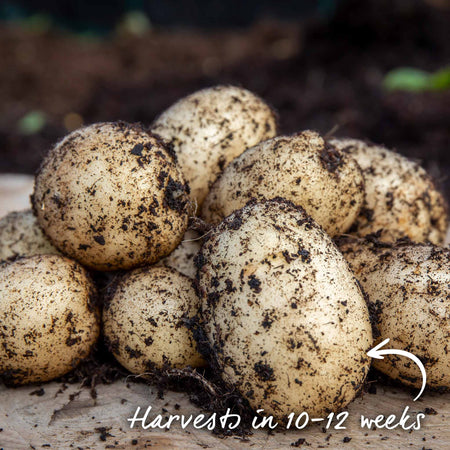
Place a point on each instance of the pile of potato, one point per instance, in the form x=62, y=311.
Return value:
x=278, y=304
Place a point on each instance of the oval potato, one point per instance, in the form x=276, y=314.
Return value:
x=302, y=168
x=145, y=320
x=48, y=316
x=112, y=196
x=210, y=127
x=409, y=287
x=287, y=323
x=401, y=199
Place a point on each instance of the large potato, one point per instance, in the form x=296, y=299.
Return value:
x=112, y=196
x=302, y=168
x=48, y=318
x=286, y=321
x=409, y=285
x=210, y=127
x=145, y=320
x=401, y=199
x=20, y=235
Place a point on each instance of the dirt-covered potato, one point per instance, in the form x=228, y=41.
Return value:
x=302, y=168
x=409, y=285
x=285, y=318
x=20, y=235
x=182, y=258
x=49, y=321
x=112, y=196
x=210, y=127
x=401, y=199
x=145, y=320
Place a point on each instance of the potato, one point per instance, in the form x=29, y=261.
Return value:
x=111, y=196
x=182, y=258
x=302, y=168
x=210, y=127
x=286, y=321
x=144, y=320
x=49, y=321
x=20, y=235
x=409, y=285
x=401, y=199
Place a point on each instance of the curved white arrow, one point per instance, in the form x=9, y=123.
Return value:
x=378, y=354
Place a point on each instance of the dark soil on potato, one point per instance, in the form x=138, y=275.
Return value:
x=323, y=75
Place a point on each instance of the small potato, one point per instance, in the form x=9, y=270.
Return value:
x=409, y=286
x=182, y=258
x=112, y=196
x=210, y=127
x=144, y=320
x=302, y=168
x=401, y=199
x=48, y=318
x=286, y=321
x=20, y=235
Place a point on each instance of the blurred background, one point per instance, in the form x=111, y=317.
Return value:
x=373, y=69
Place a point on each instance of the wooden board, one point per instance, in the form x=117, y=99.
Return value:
x=66, y=417
x=15, y=191
x=72, y=419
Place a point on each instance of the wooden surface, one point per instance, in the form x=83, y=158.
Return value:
x=67, y=417
x=73, y=417
x=15, y=191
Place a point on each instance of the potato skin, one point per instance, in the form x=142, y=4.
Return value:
x=182, y=258
x=20, y=236
x=144, y=320
x=49, y=318
x=302, y=168
x=111, y=196
x=285, y=318
x=409, y=286
x=401, y=199
x=210, y=127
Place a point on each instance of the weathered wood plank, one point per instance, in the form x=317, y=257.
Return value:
x=72, y=419
x=15, y=191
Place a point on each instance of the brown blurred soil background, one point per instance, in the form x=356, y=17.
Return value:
x=324, y=74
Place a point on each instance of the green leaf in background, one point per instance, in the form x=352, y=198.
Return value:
x=440, y=80
x=416, y=80
x=134, y=22
x=32, y=122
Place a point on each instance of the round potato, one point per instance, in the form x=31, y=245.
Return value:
x=285, y=318
x=210, y=127
x=401, y=199
x=48, y=316
x=409, y=285
x=182, y=258
x=20, y=235
x=145, y=320
x=302, y=168
x=112, y=196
